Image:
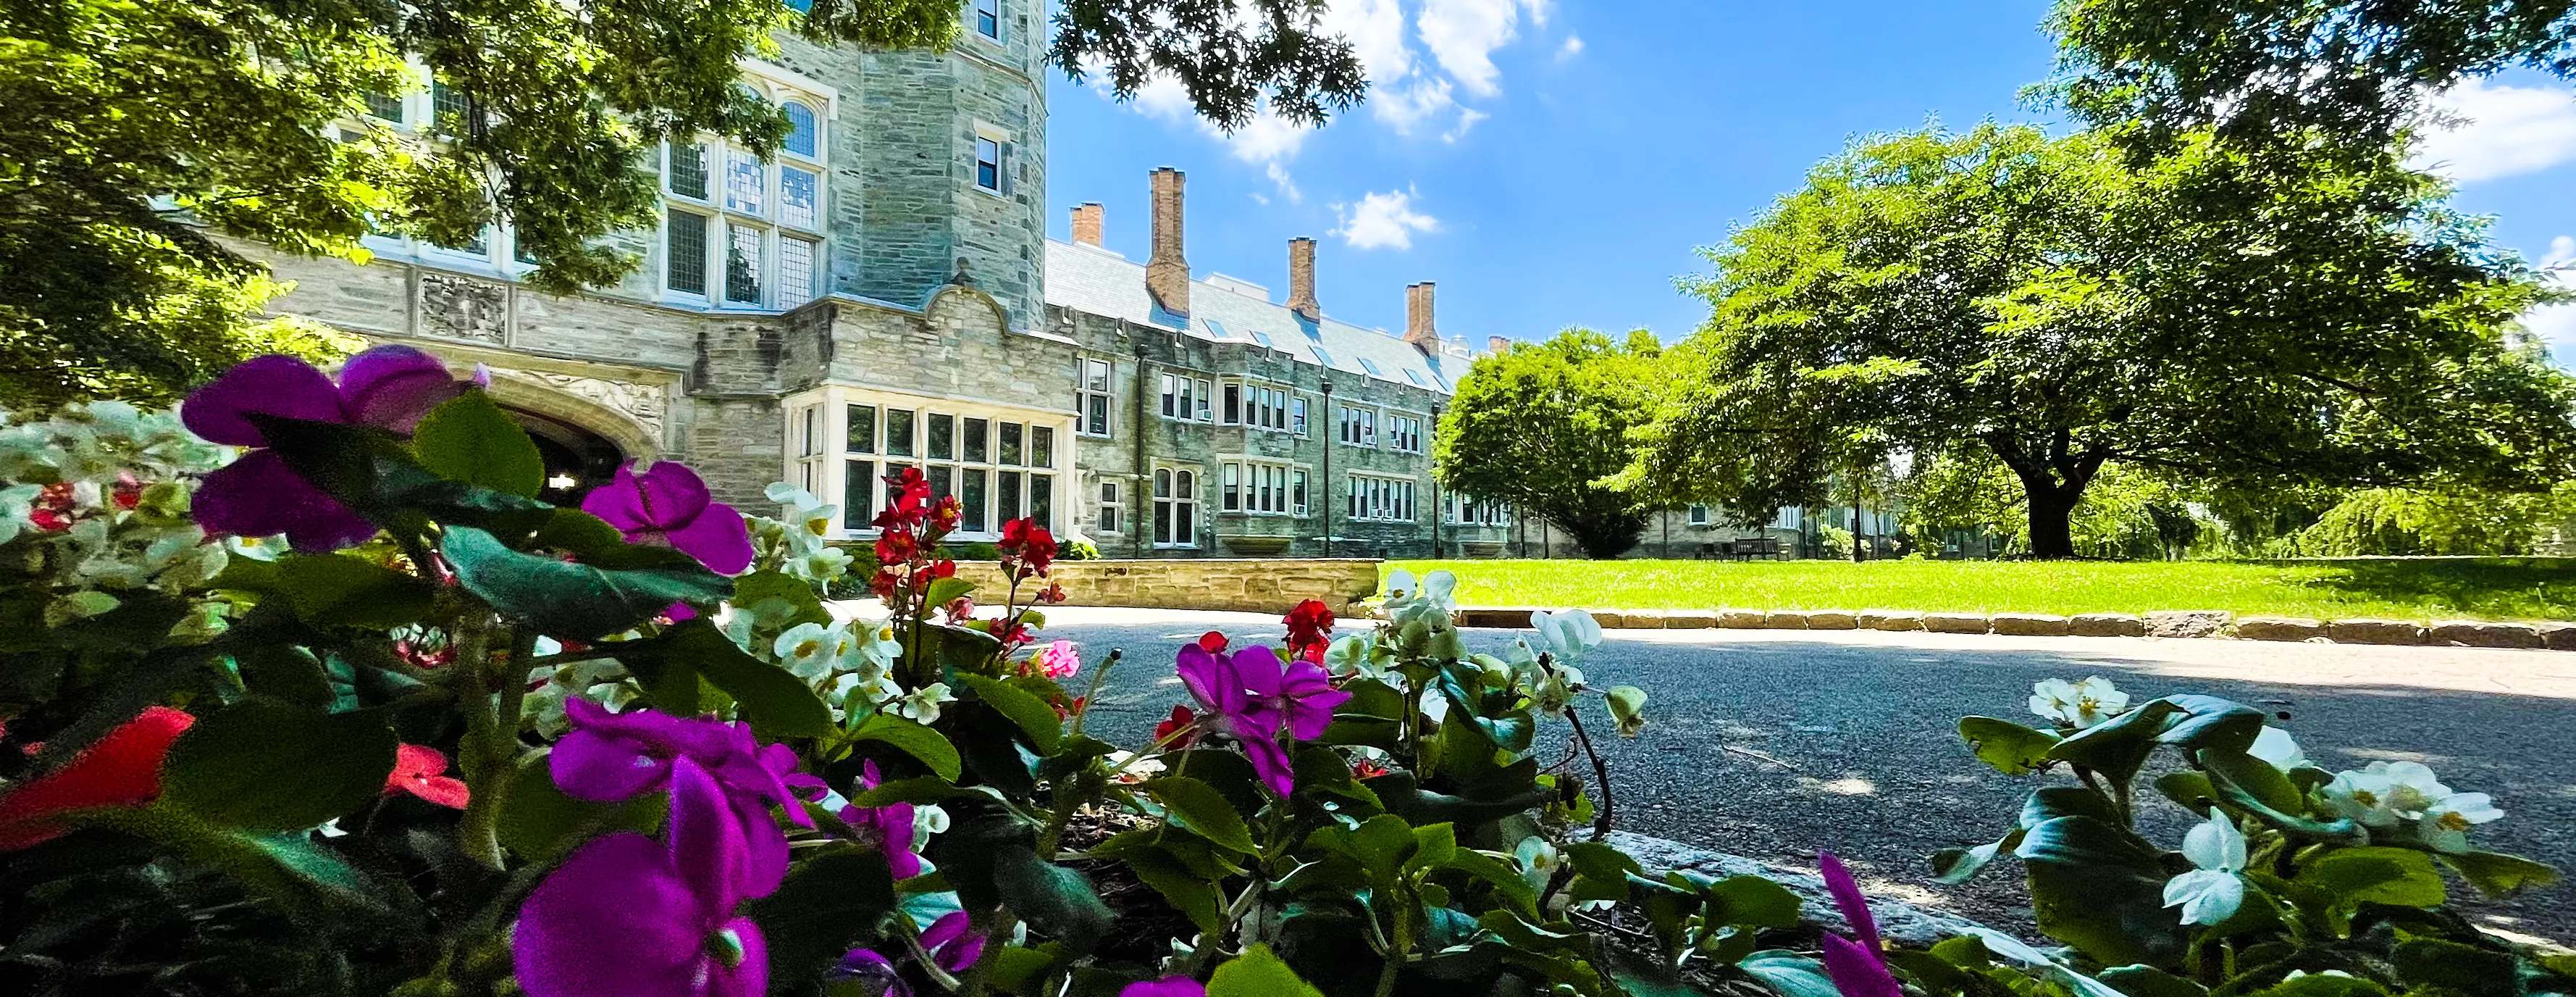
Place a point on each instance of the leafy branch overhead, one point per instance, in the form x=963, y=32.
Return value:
x=148, y=138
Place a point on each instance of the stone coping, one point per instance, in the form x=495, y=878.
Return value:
x=2183, y=623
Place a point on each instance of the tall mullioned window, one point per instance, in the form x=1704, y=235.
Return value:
x=1176, y=507
x=1091, y=397
x=1387, y=499
x=744, y=233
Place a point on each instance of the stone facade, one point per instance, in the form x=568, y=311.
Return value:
x=927, y=332
x=1251, y=585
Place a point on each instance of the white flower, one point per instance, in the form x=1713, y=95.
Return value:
x=873, y=694
x=1355, y=654
x=1556, y=690
x=2210, y=893
x=927, y=820
x=1538, y=860
x=872, y=649
x=922, y=705
x=1566, y=634
x=2446, y=823
x=2078, y=704
x=1407, y=600
x=811, y=649
x=2275, y=746
x=2363, y=797
x=2412, y=787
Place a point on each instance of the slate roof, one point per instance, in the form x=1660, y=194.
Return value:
x=1093, y=280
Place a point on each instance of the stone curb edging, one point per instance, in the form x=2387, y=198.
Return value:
x=2202, y=623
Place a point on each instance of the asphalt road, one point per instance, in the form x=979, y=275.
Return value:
x=1773, y=744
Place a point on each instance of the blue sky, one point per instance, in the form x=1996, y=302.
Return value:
x=1552, y=164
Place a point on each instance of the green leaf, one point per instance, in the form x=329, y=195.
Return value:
x=943, y=591
x=1202, y=810
x=1195, y=897
x=2117, y=747
x=2099, y=887
x=2148, y=981
x=1258, y=973
x=2010, y=747
x=772, y=699
x=2401, y=876
x=269, y=766
x=2497, y=874
x=2471, y=970
x=1790, y=974
x=1627, y=709
x=469, y=439
x=831, y=900
x=2320, y=985
x=343, y=590
x=1953, y=866
x=922, y=743
x=1501, y=874
x=1752, y=901
x=750, y=589
x=578, y=601
x=2210, y=722
x=2255, y=776
x=1055, y=899
x=315, y=886
x=1433, y=845
x=575, y=532
x=1025, y=710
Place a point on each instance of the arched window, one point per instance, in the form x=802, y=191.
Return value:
x=804, y=136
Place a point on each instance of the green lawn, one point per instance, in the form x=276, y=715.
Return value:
x=2503, y=588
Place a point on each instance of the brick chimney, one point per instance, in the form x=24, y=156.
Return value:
x=1167, y=273
x=1301, y=279
x=1497, y=344
x=1086, y=223
x=1417, y=319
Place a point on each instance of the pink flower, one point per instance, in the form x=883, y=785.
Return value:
x=668, y=505
x=388, y=387
x=1857, y=968
x=122, y=769
x=417, y=770
x=1059, y=660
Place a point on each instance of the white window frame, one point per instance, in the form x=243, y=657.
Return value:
x=1404, y=431
x=983, y=10
x=1255, y=486
x=1110, y=515
x=1381, y=499
x=1698, y=514
x=1356, y=426
x=1093, y=384
x=1175, y=489
x=1054, y=481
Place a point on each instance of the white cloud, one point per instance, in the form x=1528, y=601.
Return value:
x=2498, y=131
x=1267, y=139
x=2555, y=325
x=1467, y=118
x=1383, y=221
x=2562, y=250
x=1463, y=35
x=1573, y=47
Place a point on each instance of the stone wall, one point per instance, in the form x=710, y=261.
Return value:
x=1252, y=585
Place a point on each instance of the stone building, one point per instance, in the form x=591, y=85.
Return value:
x=881, y=295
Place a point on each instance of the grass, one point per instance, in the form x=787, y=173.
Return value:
x=2486, y=588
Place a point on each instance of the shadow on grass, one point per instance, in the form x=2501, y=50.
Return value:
x=2519, y=587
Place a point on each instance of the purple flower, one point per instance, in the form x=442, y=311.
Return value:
x=1169, y=986
x=953, y=942
x=668, y=506
x=890, y=828
x=1857, y=968
x=610, y=757
x=388, y=387
x=867, y=967
x=627, y=917
x=1254, y=696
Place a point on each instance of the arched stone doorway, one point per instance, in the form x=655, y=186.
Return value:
x=577, y=459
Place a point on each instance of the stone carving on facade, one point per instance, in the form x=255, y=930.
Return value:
x=644, y=403
x=463, y=308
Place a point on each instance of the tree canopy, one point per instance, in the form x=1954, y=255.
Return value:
x=2270, y=68
x=1541, y=425
x=2221, y=313
x=138, y=129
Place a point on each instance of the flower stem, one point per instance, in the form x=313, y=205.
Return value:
x=491, y=737
x=1600, y=771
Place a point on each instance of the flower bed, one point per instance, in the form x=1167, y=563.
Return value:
x=350, y=711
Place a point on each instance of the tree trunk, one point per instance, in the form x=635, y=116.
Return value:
x=2052, y=513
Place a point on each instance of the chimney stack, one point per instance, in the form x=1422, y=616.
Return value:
x=1301, y=279
x=1417, y=319
x=1497, y=344
x=1167, y=272
x=1086, y=224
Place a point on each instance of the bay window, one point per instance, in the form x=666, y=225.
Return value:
x=999, y=463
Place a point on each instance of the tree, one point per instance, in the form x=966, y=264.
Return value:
x=2269, y=68
x=1541, y=425
x=138, y=131
x=2221, y=314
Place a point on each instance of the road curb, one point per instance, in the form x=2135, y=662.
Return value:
x=2177, y=623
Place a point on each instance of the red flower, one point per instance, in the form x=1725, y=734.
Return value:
x=909, y=494
x=129, y=490
x=416, y=771
x=1052, y=594
x=1026, y=542
x=1212, y=642
x=1365, y=769
x=122, y=770
x=1181, y=719
x=1311, y=623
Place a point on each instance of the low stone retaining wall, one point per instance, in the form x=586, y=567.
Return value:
x=1254, y=585
x=2166, y=623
